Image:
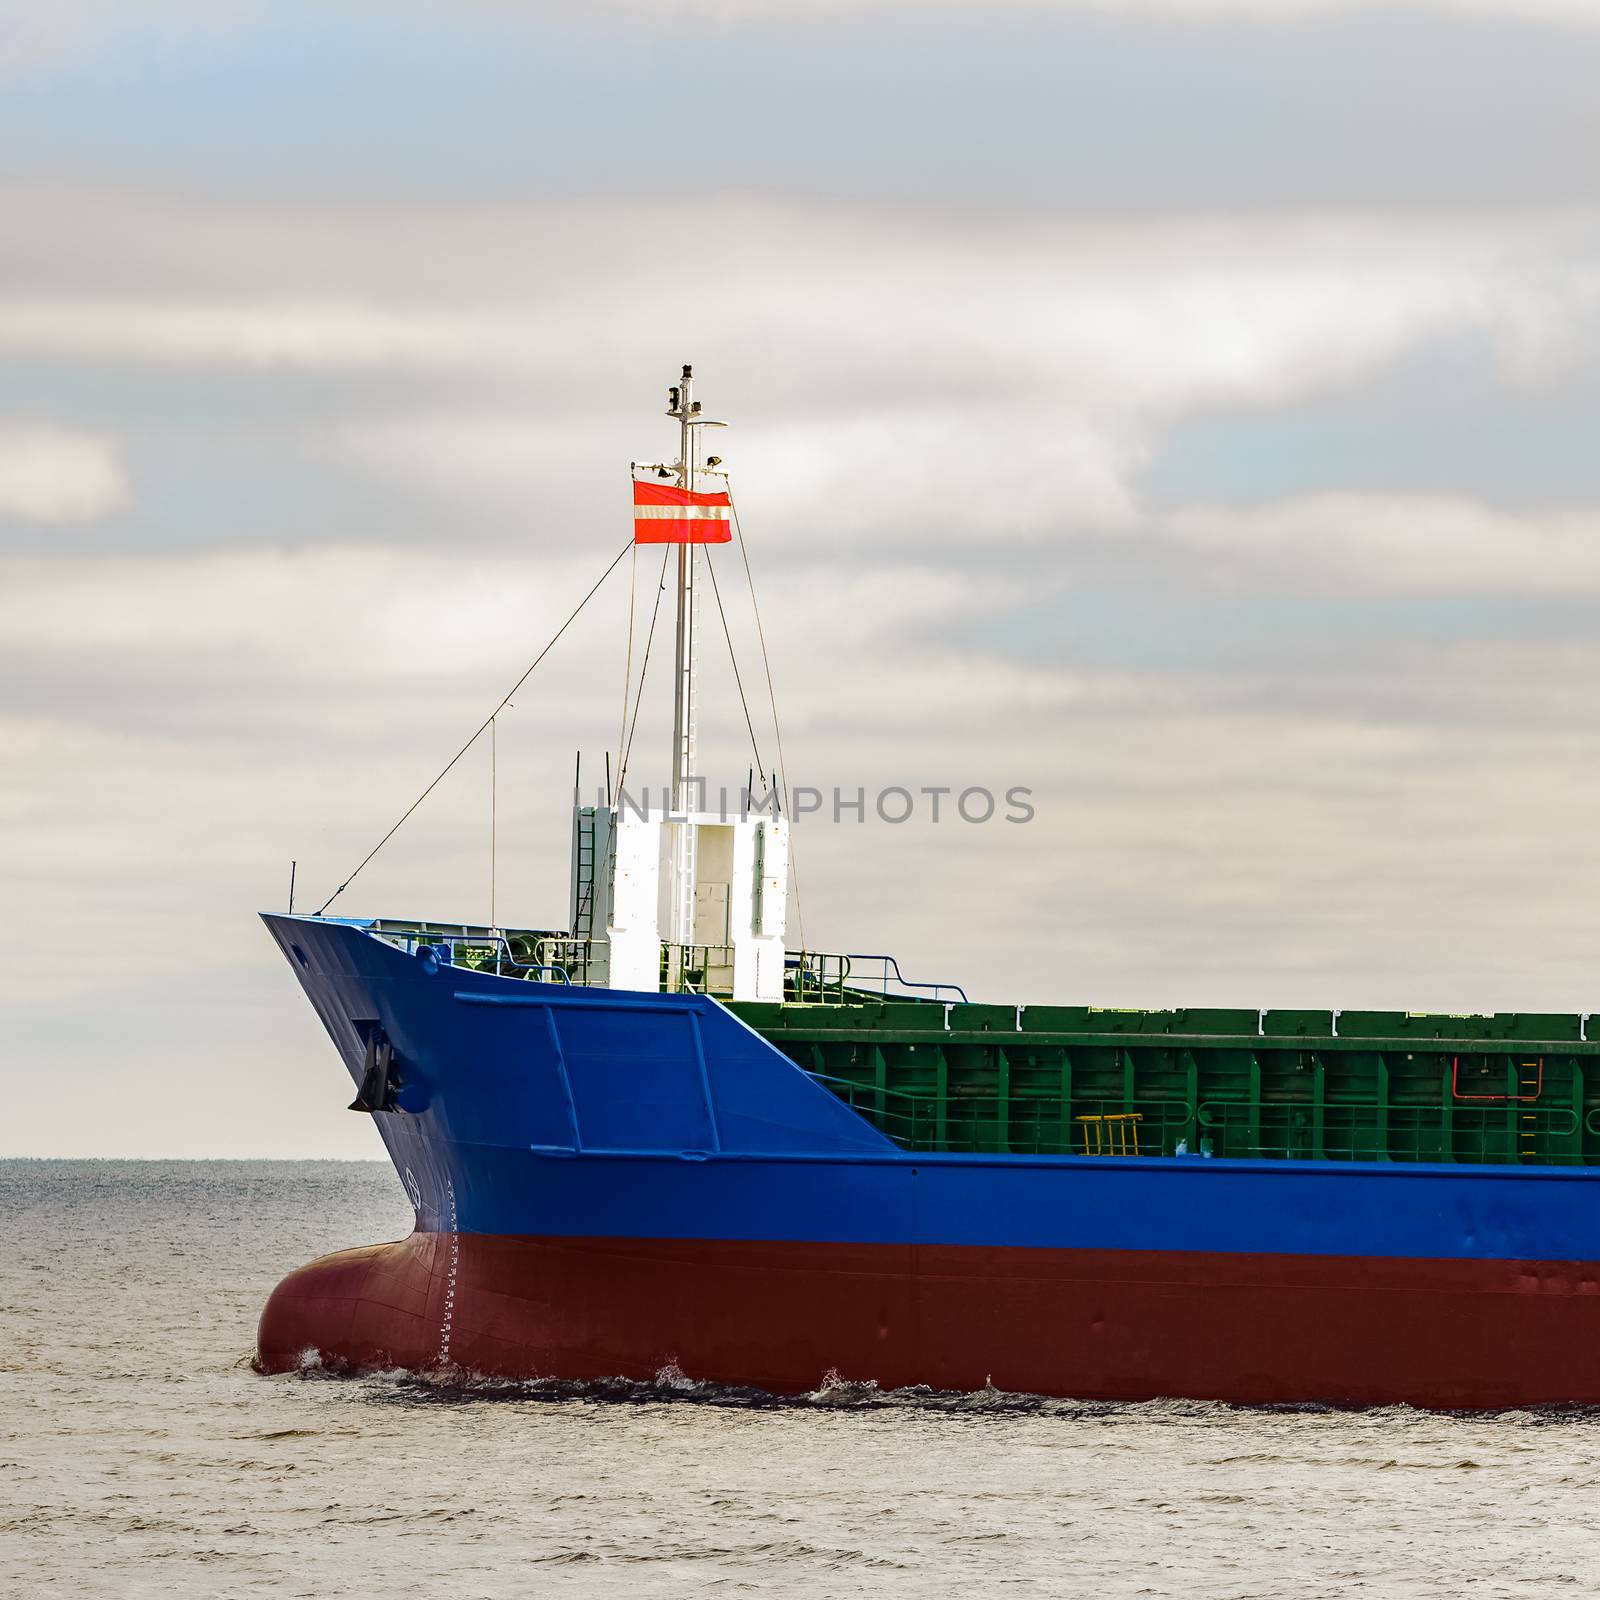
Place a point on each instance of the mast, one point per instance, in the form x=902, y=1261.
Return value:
x=680, y=929
x=682, y=406
x=683, y=728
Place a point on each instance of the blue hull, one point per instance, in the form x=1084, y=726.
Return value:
x=655, y=1156
x=554, y=1110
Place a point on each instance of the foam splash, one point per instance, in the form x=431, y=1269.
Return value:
x=671, y=1385
x=835, y=1390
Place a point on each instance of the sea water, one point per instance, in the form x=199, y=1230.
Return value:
x=141, y=1455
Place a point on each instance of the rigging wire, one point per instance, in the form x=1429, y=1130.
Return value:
x=744, y=705
x=494, y=810
x=627, y=665
x=624, y=750
x=487, y=721
x=772, y=697
x=661, y=586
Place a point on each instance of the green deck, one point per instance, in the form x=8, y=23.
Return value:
x=1518, y=1087
x=1355, y=1085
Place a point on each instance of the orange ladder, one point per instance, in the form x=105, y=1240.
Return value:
x=1111, y=1134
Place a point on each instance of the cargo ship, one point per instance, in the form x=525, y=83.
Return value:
x=657, y=1136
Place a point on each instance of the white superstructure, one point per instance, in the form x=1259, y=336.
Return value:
x=675, y=898
x=627, y=888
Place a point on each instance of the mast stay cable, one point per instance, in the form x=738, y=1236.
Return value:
x=744, y=705
x=627, y=665
x=555, y=638
x=772, y=698
x=625, y=747
x=638, y=699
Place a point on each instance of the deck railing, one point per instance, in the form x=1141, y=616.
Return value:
x=1100, y=1126
x=1373, y=1130
x=811, y=977
x=815, y=977
x=478, y=949
x=968, y=1123
x=582, y=959
x=697, y=969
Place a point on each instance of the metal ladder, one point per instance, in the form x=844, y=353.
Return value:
x=1530, y=1085
x=583, y=911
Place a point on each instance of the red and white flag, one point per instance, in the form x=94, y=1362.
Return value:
x=666, y=514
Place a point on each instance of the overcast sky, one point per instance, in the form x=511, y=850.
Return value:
x=1187, y=409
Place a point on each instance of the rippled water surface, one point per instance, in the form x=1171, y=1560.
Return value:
x=140, y=1455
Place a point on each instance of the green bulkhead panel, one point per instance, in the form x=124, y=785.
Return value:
x=982, y=1019
x=1298, y=1084
x=1298, y=1024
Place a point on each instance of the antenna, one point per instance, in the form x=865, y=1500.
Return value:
x=682, y=407
x=685, y=411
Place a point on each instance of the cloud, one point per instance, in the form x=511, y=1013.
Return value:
x=378, y=451
x=41, y=35
x=1275, y=12
x=942, y=422
x=230, y=711
x=1006, y=388
x=901, y=303
x=898, y=375
x=292, y=335
x=1395, y=544
x=250, y=704
x=57, y=475
x=1305, y=831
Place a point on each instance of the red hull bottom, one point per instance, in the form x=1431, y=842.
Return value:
x=1091, y=1324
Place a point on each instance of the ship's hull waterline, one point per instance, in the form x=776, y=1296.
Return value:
x=1087, y=1324
x=610, y=1184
